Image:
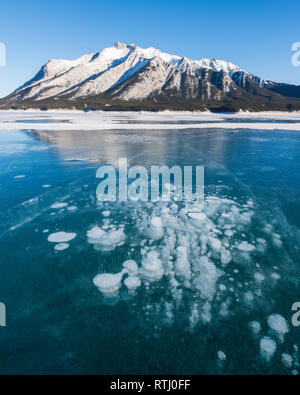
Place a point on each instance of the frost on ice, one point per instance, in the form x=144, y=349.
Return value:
x=152, y=267
x=61, y=237
x=154, y=229
x=58, y=205
x=199, y=263
x=278, y=325
x=106, y=240
x=187, y=248
x=255, y=327
x=109, y=283
x=131, y=266
x=132, y=282
x=61, y=246
x=182, y=264
x=244, y=246
x=207, y=278
x=287, y=360
x=267, y=348
x=221, y=356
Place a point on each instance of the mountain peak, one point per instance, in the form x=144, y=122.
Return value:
x=121, y=72
x=120, y=45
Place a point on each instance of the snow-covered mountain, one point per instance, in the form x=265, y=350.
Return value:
x=130, y=73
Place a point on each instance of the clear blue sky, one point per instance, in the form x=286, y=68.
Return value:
x=256, y=35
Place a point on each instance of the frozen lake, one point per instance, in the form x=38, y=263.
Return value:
x=209, y=297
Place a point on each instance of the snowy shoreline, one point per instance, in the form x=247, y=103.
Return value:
x=105, y=120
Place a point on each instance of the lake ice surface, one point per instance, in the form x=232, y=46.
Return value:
x=148, y=287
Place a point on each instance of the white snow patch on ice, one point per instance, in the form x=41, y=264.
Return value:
x=152, y=268
x=12, y=120
x=72, y=208
x=61, y=246
x=132, y=282
x=154, y=228
x=131, y=266
x=287, y=360
x=108, y=283
x=255, y=327
x=245, y=246
x=221, y=355
x=267, y=348
x=58, y=205
x=61, y=237
x=278, y=324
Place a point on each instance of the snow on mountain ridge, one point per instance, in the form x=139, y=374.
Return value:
x=95, y=73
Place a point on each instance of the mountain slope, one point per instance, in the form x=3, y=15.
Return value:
x=127, y=73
